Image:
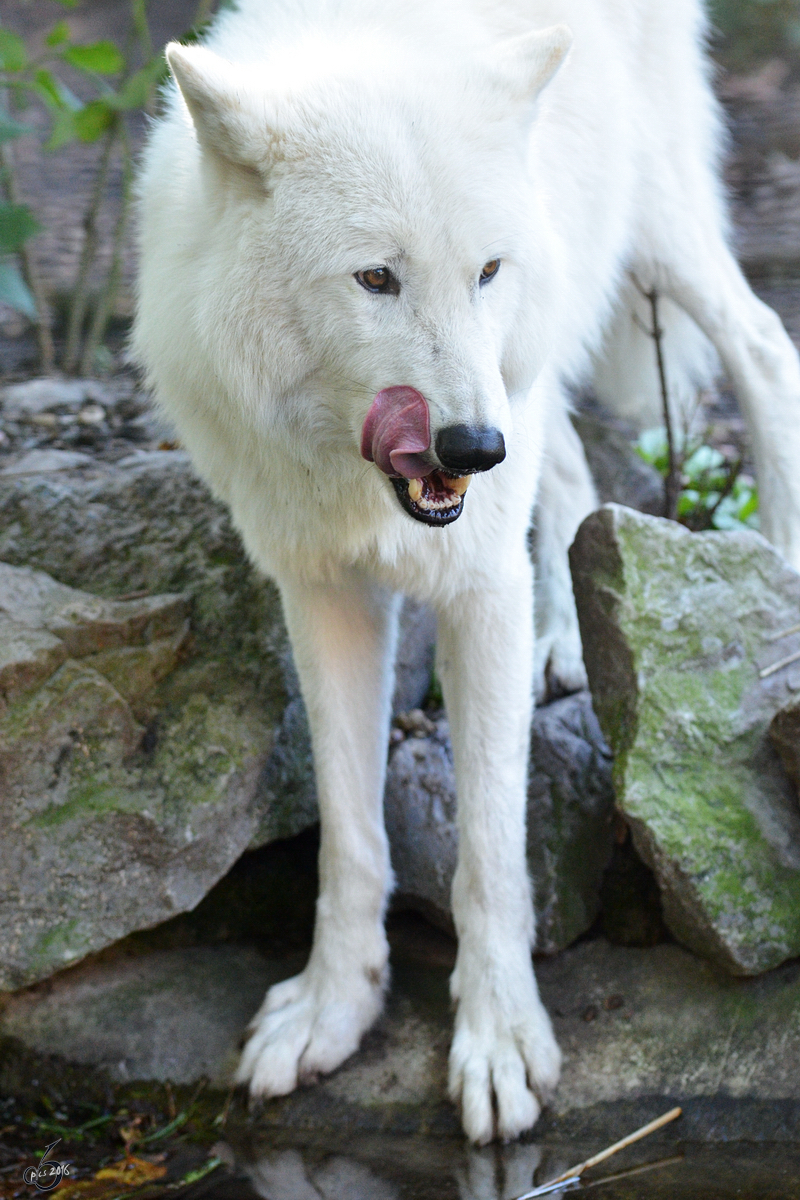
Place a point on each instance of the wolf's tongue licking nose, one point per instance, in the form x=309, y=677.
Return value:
x=397, y=431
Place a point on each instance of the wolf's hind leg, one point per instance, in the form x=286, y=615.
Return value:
x=701, y=275
x=566, y=495
x=343, y=637
x=504, y=1061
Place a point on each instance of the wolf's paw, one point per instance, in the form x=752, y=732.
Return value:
x=559, y=669
x=504, y=1065
x=306, y=1027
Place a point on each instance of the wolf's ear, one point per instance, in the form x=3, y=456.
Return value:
x=528, y=63
x=225, y=115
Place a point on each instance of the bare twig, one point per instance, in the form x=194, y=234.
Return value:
x=80, y=296
x=777, y=637
x=778, y=666
x=672, y=483
x=43, y=323
x=727, y=488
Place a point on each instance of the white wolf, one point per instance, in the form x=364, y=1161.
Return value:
x=378, y=241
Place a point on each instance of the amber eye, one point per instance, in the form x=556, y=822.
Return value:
x=378, y=279
x=490, y=269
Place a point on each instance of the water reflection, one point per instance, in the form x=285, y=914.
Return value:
x=418, y=1168
x=488, y=1174
x=284, y=1175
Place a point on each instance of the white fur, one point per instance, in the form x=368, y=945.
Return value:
x=313, y=139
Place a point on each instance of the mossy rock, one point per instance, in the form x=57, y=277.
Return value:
x=677, y=628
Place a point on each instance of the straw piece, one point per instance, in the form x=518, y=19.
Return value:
x=626, y=1141
x=776, y=637
x=784, y=662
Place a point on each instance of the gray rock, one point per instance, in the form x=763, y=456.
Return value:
x=636, y=1027
x=619, y=474
x=126, y=794
x=40, y=395
x=570, y=802
x=677, y=629
x=420, y=810
x=39, y=462
x=140, y=769
x=570, y=811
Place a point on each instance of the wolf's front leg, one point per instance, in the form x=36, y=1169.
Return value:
x=343, y=637
x=504, y=1058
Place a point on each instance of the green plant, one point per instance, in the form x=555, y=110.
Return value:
x=123, y=79
x=714, y=492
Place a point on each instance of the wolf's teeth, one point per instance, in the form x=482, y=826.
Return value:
x=460, y=485
x=415, y=489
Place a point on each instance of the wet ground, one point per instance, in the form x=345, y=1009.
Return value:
x=362, y=1135
x=371, y=1167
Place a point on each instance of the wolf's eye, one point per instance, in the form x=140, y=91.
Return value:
x=490, y=269
x=378, y=279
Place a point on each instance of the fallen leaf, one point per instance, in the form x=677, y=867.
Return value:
x=129, y=1173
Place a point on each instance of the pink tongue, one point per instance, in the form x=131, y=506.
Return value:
x=396, y=431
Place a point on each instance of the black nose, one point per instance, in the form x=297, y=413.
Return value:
x=470, y=447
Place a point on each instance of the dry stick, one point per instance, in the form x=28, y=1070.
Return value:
x=730, y=483
x=778, y=666
x=105, y=301
x=645, y=1131
x=672, y=484
x=80, y=297
x=43, y=323
x=776, y=637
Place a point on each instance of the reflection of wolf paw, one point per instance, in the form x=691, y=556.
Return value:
x=503, y=1059
x=306, y=1027
x=283, y=1175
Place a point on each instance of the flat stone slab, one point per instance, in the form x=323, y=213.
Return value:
x=638, y=1028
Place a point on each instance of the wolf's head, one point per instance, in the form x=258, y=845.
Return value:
x=388, y=263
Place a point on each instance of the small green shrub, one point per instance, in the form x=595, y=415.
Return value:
x=715, y=493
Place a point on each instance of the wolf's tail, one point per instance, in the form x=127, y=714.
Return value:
x=625, y=373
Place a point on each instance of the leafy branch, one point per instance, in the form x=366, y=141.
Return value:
x=123, y=80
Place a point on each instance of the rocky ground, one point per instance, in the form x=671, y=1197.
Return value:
x=132, y=1048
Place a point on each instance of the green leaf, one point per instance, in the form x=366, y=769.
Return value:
x=135, y=92
x=13, y=55
x=54, y=93
x=10, y=129
x=14, y=291
x=103, y=58
x=67, y=3
x=59, y=34
x=93, y=120
x=63, y=129
x=17, y=223
x=200, y=1172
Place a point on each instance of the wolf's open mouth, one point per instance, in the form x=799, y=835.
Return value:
x=436, y=499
